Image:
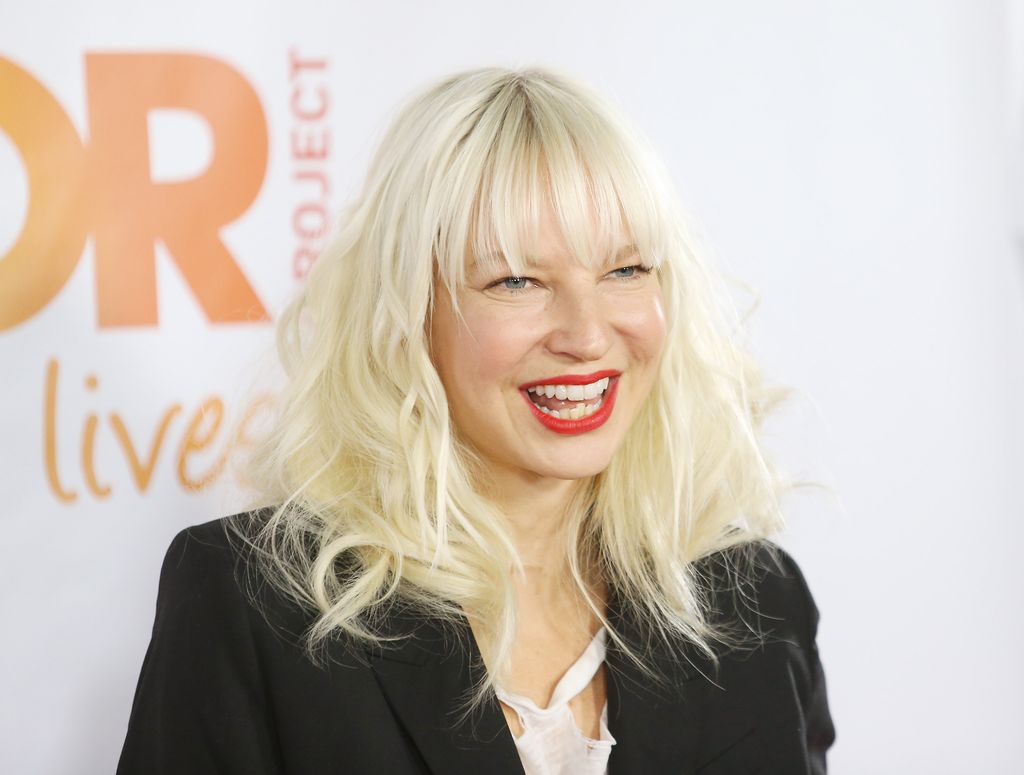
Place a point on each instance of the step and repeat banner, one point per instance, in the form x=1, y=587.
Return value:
x=159, y=204
x=169, y=173
x=126, y=187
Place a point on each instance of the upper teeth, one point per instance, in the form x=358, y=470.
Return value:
x=572, y=392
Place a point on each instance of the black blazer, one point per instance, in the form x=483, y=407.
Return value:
x=227, y=688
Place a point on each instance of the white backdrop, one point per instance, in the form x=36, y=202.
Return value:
x=855, y=162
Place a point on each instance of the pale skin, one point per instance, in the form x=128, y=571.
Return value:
x=563, y=318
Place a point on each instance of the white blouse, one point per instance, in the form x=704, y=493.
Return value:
x=551, y=743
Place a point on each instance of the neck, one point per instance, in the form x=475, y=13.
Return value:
x=538, y=518
x=548, y=600
x=537, y=512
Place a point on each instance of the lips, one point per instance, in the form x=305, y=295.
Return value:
x=587, y=408
x=572, y=379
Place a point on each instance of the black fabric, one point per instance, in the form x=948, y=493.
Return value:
x=227, y=688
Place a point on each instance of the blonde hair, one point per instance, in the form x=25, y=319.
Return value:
x=363, y=464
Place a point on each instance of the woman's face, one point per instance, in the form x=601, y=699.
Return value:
x=545, y=374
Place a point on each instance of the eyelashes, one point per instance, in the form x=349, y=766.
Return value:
x=516, y=285
x=511, y=284
x=636, y=271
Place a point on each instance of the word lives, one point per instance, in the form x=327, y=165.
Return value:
x=201, y=439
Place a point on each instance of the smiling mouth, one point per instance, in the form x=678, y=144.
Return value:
x=569, y=402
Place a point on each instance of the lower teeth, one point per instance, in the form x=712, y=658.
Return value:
x=575, y=413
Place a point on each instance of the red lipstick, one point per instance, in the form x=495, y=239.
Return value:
x=572, y=379
x=584, y=424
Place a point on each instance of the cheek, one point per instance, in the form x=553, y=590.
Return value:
x=646, y=328
x=490, y=351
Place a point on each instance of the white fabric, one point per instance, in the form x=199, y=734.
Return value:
x=551, y=743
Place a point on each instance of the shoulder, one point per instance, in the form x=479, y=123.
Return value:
x=198, y=581
x=766, y=622
x=775, y=671
x=201, y=560
x=213, y=541
x=202, y=685
x=758, y=588
x=204, y=548
x=756, y=606
x=210, y=577
x=760, y=700
x=199, y=565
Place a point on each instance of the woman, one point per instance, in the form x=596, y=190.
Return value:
x=519, y=502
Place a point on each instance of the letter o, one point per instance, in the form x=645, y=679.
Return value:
x=57, y=222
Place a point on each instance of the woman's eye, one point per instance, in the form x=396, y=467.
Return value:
x=632, y=272
x=512, y=284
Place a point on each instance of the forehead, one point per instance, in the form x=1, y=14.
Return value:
x=541, y=193
x=546, y=255
x=583, y=234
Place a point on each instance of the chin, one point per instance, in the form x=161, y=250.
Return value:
x=577, y=469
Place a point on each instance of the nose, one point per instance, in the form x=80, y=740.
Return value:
x=580, y=326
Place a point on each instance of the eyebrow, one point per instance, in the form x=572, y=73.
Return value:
x=623, y=252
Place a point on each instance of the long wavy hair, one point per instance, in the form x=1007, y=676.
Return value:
x=376, y=498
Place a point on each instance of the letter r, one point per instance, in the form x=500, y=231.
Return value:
x=128, y=211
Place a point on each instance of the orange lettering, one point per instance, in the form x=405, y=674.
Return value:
x=263, y=403
x=56, y=224
x=101, y=491
x=132, y=211
x=50, y=434
x=106, y=189
x=197, y=437
x=242, y=439
x=142, y=472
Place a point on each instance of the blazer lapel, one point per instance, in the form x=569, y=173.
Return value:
x=427, y=676
x=653, y=725
x=666, y=726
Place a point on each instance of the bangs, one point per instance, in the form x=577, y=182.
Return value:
x=536, y=149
